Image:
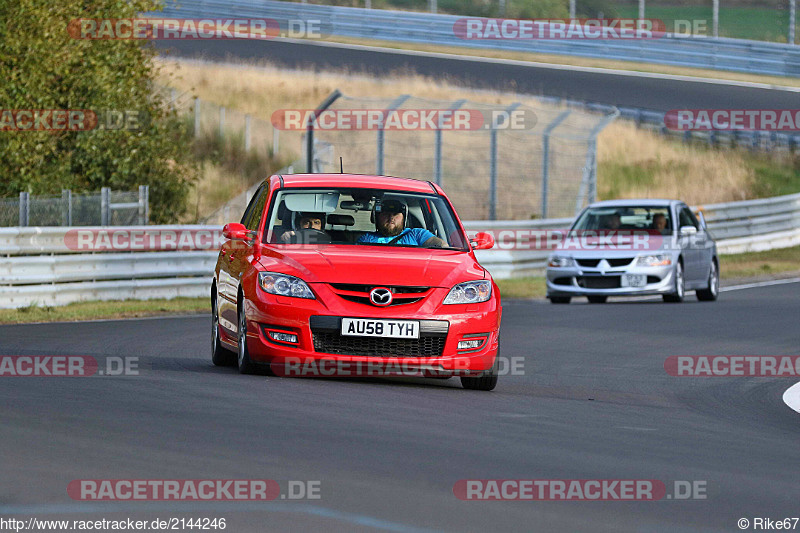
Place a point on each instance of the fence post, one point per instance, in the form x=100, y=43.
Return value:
x=572, y=9
x=546, y=157
x=197, y=118
x=437, y=158
x=715, y=18
x=105, y=204
x=493, y=162
x=381, y=134
x=66, y=207
x=221, y=122
x=310, y=128
x=792, y=16
x=276, y=140
x=247, y=133
x=142, y=208
x=24, y=208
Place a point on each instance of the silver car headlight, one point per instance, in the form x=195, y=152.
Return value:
x=655, y=260
x=284, y=285
x=470, y=292
x=560, y=261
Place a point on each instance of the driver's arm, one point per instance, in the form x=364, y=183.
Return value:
x=434, y=242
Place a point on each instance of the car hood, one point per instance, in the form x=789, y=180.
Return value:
x=372, y=265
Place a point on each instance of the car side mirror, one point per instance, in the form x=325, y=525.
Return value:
x=482, y=241
x=234, y=231
x=688, y=230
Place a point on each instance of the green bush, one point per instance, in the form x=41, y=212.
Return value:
x=43, y=67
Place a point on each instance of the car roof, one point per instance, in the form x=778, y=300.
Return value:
x=358, y=181
x=644, y=202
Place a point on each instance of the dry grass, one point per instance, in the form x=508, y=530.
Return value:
x=641, y=164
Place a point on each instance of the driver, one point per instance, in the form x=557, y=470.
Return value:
x=390, y=218
x=314, y=221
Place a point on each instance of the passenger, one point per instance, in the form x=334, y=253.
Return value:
x=611, y=222
x=390, y=218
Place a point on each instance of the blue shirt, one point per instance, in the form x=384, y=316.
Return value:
x=410, y=237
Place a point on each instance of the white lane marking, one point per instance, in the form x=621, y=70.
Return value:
x=635, y=428
x=760, y=284
x=553, y=66
x=792, y=397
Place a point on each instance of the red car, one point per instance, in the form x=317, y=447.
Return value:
x=351, y=275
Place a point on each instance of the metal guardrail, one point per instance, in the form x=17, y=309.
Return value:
x=738, y=55
x=178, y=267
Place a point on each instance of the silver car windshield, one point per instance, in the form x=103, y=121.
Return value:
x=626, y=218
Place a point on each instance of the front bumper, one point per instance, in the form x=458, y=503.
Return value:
x=579, y=281
x=316, y=323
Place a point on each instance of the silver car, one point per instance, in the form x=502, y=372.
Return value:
x=634, y=247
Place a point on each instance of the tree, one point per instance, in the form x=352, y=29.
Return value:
x=42, y=67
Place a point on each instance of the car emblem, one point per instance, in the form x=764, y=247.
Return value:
x=603, y=265
x=380, y=296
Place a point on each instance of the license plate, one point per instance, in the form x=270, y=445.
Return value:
x=368, y=327
x=634, y=280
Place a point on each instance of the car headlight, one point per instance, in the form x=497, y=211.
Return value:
x=654, y=260
x=559, y=261
x=470, y=292
x=283, y=285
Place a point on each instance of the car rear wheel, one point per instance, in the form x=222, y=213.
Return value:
x=246, y=366
x=597, y=299
x=560, y=299
x=486, y=382
x=220, y=355
x=710, y=293
x=680, y=286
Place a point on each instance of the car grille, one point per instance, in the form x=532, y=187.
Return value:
x=618, y=262
x=325, y=332
x=360, y=293
x=599, y=282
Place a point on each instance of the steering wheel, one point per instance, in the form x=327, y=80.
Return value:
x=310, y=236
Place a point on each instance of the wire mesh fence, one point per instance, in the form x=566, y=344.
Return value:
x=104, y=208
x=540, y=166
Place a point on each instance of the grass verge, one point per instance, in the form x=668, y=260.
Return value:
x=79, y=311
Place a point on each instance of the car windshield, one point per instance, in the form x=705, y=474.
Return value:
x=625, y=218
x=370, y=217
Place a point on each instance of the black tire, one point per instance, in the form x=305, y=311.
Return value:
x=597, y=299
x=559, y=299
x=710, y=293
x=246, y=366
x=680, y=287
x=220, y=355
x=486, y=382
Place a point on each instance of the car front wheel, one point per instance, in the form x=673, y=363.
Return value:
x=486, y=382
x=220, y=355
x=680, y=286
x=246, y=366
x=710, y=293
x=560, y=299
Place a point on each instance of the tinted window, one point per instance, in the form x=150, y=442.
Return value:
x=253, y=218
x=687, y=218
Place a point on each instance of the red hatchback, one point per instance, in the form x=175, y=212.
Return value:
x=350, y=275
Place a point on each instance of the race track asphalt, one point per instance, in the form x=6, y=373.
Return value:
x=614, y=88
x=594, y=402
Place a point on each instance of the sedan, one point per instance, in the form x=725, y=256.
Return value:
x=351, y=275
x=635, y=247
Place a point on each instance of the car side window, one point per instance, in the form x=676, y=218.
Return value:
x=248, y=212
x=687, y=218
x=254, y=219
